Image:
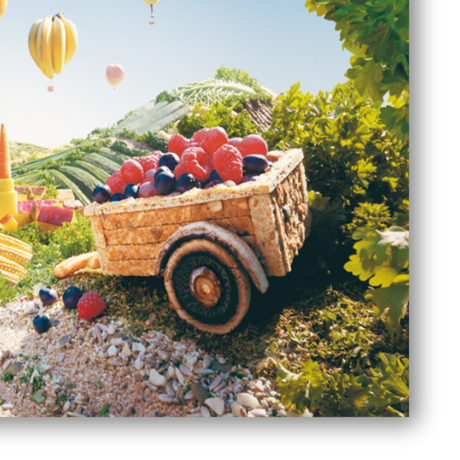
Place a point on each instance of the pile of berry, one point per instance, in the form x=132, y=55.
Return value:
x=207, y=159
x=89, y=305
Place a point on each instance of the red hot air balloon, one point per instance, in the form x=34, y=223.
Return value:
x=115, y=74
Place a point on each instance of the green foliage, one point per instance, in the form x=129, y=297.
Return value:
x=239, y=125
x=238, y=76
x=50, y=248
x=376, y=32
x=350, y=159
x=7, y=376
x=104, y=410
x=383, y=391
x=74, y=238
x=383, y=259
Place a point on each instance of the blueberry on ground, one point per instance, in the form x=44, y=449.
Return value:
x=48, y=295
x=41, y=323
x=71, y=297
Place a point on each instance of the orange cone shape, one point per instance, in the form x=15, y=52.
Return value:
x=5, y=165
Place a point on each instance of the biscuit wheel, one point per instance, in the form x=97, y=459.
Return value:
x=207, y=287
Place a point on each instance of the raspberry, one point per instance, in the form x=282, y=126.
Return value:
x=149, y=162
x=195, y=161
x=116, y=182
x=132, y=172
x=229, y=163
x=215, y=138
x=253, y=145
x=200, y=136
x=90, y=306
x=177, y=144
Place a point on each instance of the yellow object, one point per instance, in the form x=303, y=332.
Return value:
x=12, y=267
x=3, y=5
x=11, y=279
x=9, y=223
x=53, y=42
x=16, y=255
x=7, y=240
x=8, y=197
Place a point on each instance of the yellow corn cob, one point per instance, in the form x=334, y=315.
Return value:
x=12, y=267
x=15, y=243
x=11, y=279
x=15, y=254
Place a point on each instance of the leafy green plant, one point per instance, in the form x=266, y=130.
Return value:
x=384, y=391
x=383, y=259
x=7, y=376
x=104, y=410
x=376, y=32
x=349, y=157
x=219, y=114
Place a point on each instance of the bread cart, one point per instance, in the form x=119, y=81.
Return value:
x=209, y=245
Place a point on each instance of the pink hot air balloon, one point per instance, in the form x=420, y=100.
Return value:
x=115, y=74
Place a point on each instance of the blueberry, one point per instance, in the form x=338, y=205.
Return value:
x=165, y=183
x=186, y=182
x=71, y=297
x=117, y=197
x=131, y=191
x=170, y=160
x=214, y=176
x=160, y=170
x=41, y=323
x=101, y=193
x=48, y=295
x=255, y=164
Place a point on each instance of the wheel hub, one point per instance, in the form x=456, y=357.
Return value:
x=205, y=286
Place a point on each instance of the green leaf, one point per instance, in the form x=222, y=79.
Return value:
x=393, y=301
x=97, y=384
x=104, y=410
x=38, y=398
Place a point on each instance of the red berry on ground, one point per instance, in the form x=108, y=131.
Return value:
x=132, y=171
x=116, y=182
x=228, y=162
x=253, y=145
x=177, y=144
x=90, y=306
x=216, y=138
x=195, y=161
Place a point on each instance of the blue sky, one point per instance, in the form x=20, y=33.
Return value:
x=279, y=43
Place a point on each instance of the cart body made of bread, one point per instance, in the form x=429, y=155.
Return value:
x=209, y=245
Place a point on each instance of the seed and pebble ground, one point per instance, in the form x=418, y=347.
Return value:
x=82, y=369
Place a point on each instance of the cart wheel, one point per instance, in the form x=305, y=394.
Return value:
x=207, y=287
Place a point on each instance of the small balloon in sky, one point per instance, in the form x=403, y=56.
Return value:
x=152, y=3
x=50, y=89
x=115, y=74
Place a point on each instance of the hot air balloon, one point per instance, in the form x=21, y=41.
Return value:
x=4, y=4
x=115, y=74
x=50, y=89
x=53, y=42
x=152, y=3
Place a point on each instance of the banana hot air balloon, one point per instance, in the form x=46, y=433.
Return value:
x=115, y=74
x=53, y=43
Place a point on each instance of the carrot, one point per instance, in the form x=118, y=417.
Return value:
x=5, y=166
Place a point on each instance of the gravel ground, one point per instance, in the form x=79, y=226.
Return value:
x=82, y=369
